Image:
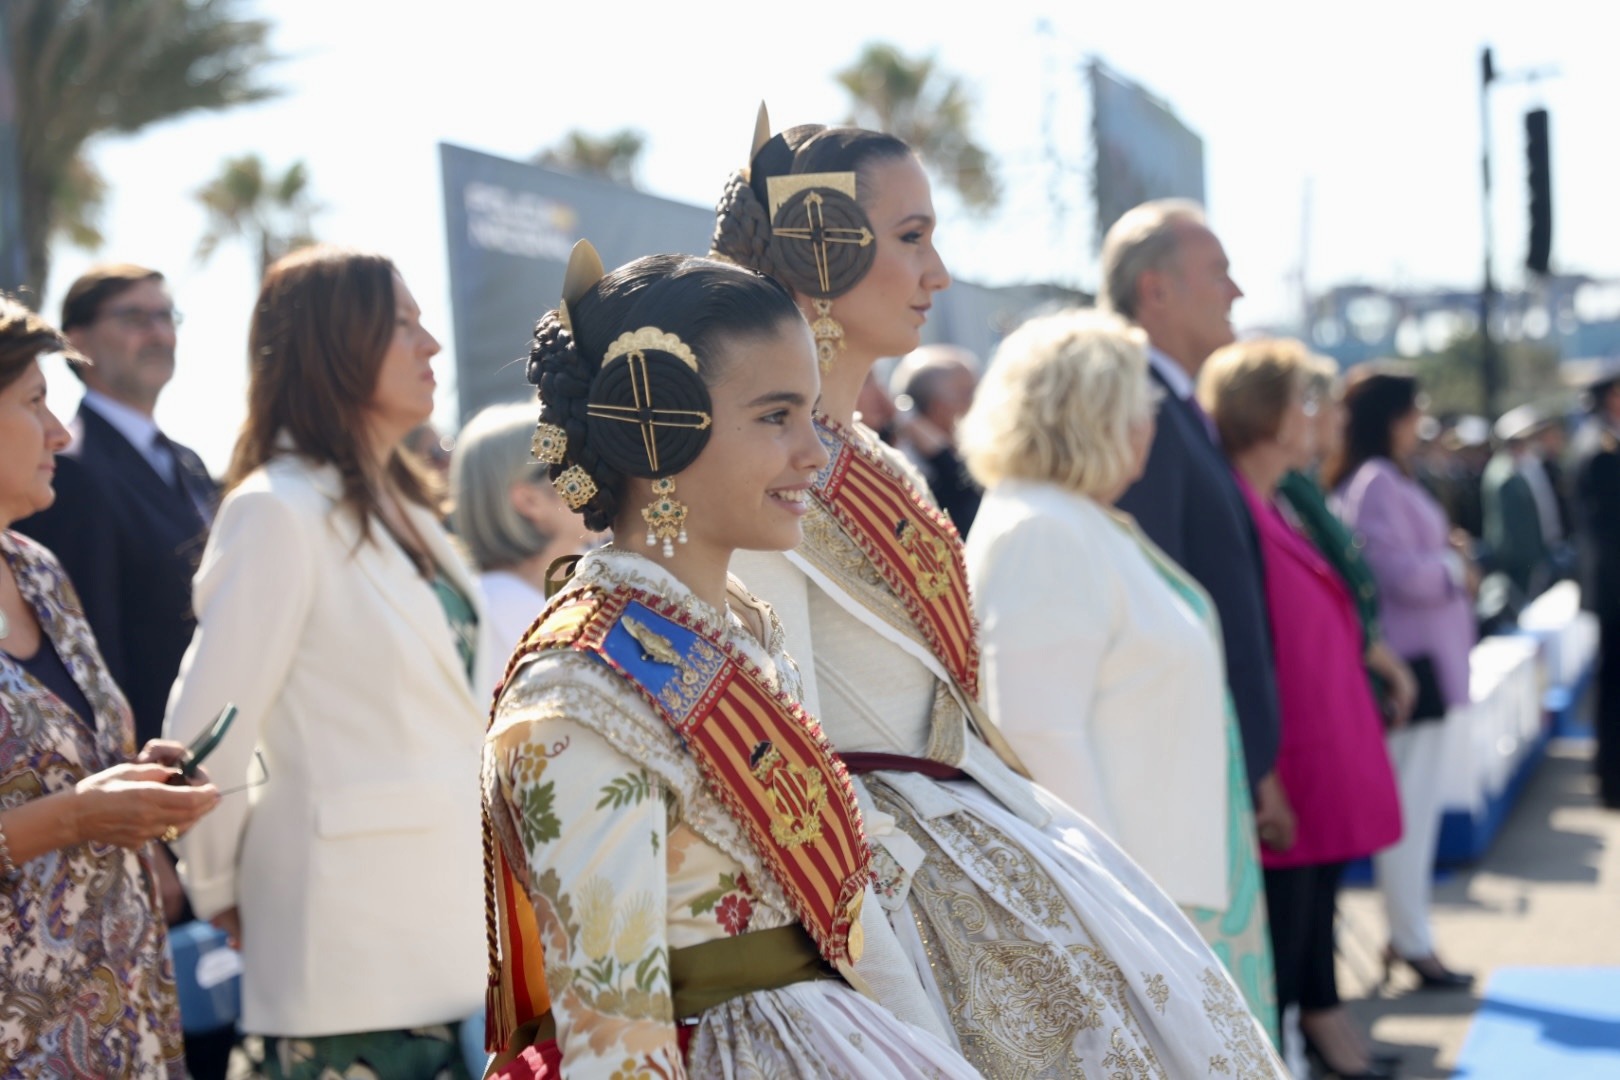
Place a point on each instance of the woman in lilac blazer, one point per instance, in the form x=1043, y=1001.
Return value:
x=1332, y=764
x=1425, y=582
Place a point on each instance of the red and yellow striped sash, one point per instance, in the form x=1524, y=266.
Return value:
x=913, y=547
x=761, y=756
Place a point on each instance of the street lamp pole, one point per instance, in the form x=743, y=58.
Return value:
x=1490, y=362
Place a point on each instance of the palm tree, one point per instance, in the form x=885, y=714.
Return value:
x=613, y=156
x=85, y=67
x=271, y=212
x=919, y=102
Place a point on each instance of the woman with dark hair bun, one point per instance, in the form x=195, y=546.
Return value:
x=1045, y=950
x=1426, y=580
x=678, y=879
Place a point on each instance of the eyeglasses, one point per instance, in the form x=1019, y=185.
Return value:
x=253, y=782
x=139, y=318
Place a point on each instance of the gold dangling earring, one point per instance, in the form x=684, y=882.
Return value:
x=665, y=516
x=829, y=334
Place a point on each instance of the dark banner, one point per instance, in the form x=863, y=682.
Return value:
x=1142, y=151
x=510, y=226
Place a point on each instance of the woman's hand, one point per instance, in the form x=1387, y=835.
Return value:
x=230, y=921
x=1274, y=819
x=1403, y=687
x=132, y=805
x=171, y=754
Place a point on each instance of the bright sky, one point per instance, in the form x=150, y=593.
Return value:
x=1372, y=107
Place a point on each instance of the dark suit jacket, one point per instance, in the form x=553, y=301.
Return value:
x=1188, y=503
x=1513, y=525
x=1596, y=452
x=130, y=541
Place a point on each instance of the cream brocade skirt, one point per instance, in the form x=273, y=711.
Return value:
x=1054, y=956
x=812, y=1030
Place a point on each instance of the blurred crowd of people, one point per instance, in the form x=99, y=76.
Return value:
x=1223, y=597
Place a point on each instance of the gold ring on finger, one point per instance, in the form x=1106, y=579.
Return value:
x=170, y=835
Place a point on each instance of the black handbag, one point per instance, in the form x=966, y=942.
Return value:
x=1431, y=703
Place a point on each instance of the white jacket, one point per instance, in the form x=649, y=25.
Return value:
x=1104, y=681
x=357, y=867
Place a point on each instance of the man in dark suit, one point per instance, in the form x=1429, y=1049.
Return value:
x=1164, y=270
x=131, y=514
x=1596, y=454
x=933, y=389
x=1518, y=506
x=132, y=506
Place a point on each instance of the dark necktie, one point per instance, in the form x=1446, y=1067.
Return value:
x=181, y=480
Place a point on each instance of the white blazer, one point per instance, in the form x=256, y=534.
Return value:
x=1105, y=682
x=357, y=867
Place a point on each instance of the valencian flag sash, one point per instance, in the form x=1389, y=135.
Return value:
x=761, y=756
x=913, y=547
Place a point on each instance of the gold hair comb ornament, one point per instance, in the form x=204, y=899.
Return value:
x=549, y=445
x=762, y=132
x=649, y=337
x=584, y=270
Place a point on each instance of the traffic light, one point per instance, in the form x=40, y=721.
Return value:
x=1540, y=163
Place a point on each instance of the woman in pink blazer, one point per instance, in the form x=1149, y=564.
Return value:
x=1332, y=763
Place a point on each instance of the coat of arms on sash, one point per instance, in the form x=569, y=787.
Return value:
x=798, y=796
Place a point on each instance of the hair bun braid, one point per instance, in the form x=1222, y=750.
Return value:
x=830, y=267
x=653, y=414
x=742, y=231
x=564, y=378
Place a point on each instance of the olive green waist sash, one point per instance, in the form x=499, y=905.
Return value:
x=710, y=974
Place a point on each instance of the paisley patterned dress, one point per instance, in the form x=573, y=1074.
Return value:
x=626, y=854
x=86, y=986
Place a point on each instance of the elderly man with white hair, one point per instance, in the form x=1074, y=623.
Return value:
x=1164, y=270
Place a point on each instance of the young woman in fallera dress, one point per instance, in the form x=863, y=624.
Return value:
x=677, y=868
x=1042, y=947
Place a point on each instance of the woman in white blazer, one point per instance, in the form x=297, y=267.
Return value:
x=334, y=612
x=1102, y=659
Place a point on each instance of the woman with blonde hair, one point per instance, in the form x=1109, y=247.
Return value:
x=1331, y=763
x=1102, y=658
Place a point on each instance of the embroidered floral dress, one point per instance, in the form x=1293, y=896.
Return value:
x=627, y=856
x=86, y=986
x=1048, y=952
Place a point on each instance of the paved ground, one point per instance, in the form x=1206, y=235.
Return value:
x=1547, y=894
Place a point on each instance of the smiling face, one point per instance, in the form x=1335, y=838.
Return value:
x=30, y=438
x=749, y=487
x=403, y=395
x=884, y=314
